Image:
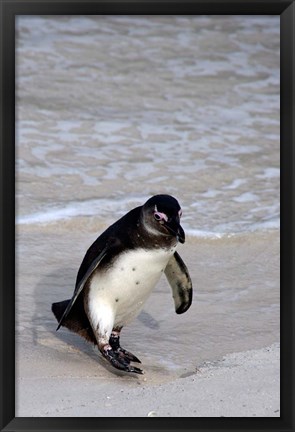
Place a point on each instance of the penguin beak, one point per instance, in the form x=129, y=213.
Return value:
x=176, y=229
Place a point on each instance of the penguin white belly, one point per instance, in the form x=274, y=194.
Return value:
x=117, y=295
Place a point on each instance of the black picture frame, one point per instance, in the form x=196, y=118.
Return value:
x=9, y=9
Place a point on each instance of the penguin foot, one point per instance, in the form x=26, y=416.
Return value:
x=115, y=344
x=126, y=355
x=118, y=361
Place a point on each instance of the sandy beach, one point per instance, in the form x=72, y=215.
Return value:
x=221, y=358
x=110, y=111
x=239, y=385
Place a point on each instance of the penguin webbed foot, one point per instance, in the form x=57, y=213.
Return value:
x=120, y=361
x=126, y=355
x=114, y=342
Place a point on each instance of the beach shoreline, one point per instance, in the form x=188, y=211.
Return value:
x=221, y=358
x=97, y=134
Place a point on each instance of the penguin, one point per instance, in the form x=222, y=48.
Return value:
x=119, y=272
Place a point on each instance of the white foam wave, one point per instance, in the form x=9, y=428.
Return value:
x=230, y=230
x=93, y=207
x=113, y=209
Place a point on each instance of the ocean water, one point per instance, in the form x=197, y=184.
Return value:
x=113, y=109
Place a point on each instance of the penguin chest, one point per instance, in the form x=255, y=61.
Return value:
x=127, y=284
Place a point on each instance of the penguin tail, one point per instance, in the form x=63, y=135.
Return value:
x=76, y=320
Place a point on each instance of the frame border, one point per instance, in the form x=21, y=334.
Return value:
x=8, y=11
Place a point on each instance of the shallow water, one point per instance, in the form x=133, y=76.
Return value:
x=111, y=110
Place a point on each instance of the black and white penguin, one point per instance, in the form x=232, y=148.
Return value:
x=118, y=273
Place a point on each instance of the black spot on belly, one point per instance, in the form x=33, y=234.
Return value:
x=117, y=300
x=133, y=268
x=137, y=282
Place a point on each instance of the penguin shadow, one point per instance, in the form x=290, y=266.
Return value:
x=57, y=286
x=148, y=320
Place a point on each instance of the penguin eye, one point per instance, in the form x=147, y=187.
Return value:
x=160, y=216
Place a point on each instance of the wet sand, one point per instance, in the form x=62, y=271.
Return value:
x=221, y=358
x=97, y=134
x=239, y=385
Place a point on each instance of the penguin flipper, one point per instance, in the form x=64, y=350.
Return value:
x=80, y=285
x=180, y=282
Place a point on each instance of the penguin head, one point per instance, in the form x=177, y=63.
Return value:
x=161, y=216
